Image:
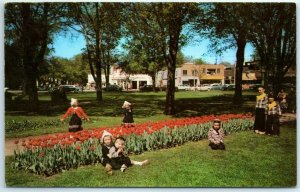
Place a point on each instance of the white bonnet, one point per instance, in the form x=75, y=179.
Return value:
x=73, y=101
x=105, y=133
x=125, y=104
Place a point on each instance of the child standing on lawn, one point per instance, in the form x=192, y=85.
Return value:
x=216, y=136
x=273, y=112
x=77, y=114
x=260, y=107
x=119, y=158
x=106, y=145
x=128, y=116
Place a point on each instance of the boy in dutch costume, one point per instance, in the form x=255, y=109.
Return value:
x=273, y=112
x=216, y=136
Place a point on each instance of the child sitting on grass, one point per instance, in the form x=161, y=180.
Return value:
x=216, y=136
x=106, y=145
x=118, y=157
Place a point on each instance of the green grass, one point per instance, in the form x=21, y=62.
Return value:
x=146, y=107
x=250, y=160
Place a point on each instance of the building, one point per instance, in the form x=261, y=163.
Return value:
x=193, y=75
x=120, y=78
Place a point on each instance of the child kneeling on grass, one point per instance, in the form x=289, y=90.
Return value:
x=118, y=157
x=216, y=136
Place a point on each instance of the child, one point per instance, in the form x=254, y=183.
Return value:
x=272, y=111
x=77, y=114
x=216, y=136
x=260, y=117
x=106, y=145
x=118, y=157
x=128, y=118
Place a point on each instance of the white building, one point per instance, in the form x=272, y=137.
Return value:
x=120, y=78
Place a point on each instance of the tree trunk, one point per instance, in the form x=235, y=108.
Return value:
x=153, y=81
x=98, y=59
x=241, y=43
x=171, y=64
x=30, y=67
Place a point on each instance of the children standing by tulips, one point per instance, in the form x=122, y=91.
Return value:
x=77, y=114
x=260, y=107
x=273, y=112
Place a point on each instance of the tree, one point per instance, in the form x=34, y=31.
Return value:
x=31, y=26
x=101, y=34
x=226, y=26
x=171, y=18
x=274, y=37
x=143, y=54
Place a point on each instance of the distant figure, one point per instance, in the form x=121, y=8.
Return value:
x=260, y=107
x=216, y=136
x=291, y=100
x=281, y=97
x=128, y=115
x=58, y=95
x=77, y=114
x=273, y=112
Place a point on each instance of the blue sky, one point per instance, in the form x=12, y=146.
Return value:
x=72, y=43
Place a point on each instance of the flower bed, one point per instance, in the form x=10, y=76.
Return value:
x=51, y=154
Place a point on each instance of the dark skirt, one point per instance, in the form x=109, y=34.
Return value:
x=128, y=118
x=117, y=162
x=75, y=123
x=217, y=146
x=260, y=120
x=273, y=127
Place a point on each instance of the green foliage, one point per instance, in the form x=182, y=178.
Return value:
x=51, y=160
x=250, y=160
x=16, y=126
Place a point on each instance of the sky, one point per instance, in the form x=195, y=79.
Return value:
x=72, y=43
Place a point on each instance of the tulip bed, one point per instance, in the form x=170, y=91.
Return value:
x=51, y=154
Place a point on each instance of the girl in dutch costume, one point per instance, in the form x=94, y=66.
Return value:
x=260, y=107
x=76, y=114
x=128, y=115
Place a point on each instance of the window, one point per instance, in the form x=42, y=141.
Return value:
x=211, y=71
x=184, y=72
x=218, y=70
x=203, y=71
x=194, y=73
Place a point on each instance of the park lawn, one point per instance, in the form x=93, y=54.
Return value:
x=250, y=160
x=146, y=107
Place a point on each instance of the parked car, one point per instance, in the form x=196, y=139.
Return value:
x=215, y=87
x=228, y=87
x=65, y=88
x=69, y=88
x=204, y=87
x=148, y=88
x=113, y=88
x=183, y=87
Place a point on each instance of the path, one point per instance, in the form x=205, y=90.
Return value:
x=10, y=142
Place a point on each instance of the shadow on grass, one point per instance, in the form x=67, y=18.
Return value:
x=144, y=105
